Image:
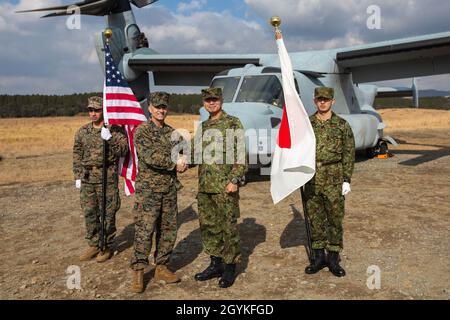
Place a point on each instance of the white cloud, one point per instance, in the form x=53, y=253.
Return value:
x=200, y=32
x=91, y=58
x=315, y=20
x=438, y=82
x=3, y=25
x=193, y=5
x=31, y=84
x=43, y=56
x=28, y=5
x=325, y=24
x=36, y=4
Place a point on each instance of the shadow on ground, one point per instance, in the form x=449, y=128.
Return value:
x=252, y=234
x=188, y=249
x=423, y=156
x=125, y=239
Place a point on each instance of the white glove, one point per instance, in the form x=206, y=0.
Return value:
x=181, y=165
x=106, y=134
x=182, y=161
x=78, y=184
x=346, y=188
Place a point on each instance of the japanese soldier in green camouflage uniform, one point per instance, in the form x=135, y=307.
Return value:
x=87, y=169
x=155, y=207
x=220, y=172
x=335, y=157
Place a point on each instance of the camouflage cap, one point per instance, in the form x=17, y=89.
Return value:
x=95, y=102
x=159, y=98
x=212, y=93
x=324, y=92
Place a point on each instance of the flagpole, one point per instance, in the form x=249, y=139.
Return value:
x=275, y=21
x=108, y=34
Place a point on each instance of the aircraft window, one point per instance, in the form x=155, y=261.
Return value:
x=228, y=85
x=266, y=89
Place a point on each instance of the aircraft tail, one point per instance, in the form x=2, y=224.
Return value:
x=399, y=92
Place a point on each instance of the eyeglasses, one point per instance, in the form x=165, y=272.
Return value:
x=95, y=110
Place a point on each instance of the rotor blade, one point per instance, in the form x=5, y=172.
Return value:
x=97, y=8
x=63, y=7
x=93, y=8
x=142, y=3
x=56, y=14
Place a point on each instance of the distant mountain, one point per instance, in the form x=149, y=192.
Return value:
x=433, y=93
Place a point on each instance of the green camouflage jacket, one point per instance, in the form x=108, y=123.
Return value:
x=88, y=153
x=220, y=156
x=335, y=150
x=157, y=171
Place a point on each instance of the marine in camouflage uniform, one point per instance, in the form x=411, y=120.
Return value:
x=87, y=168
x=335, y=157
x=223, y=165
x=155, y=207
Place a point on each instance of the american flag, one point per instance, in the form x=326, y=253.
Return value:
x=120, y=107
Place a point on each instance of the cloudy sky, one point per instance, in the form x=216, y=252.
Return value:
x=43, y=56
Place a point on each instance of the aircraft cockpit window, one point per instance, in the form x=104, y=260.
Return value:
x=265, y=89
x=228, y=85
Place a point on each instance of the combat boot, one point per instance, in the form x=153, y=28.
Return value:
x=333, y=264
x=214, y=270
x=103, y=256
x=89, y=253
x=228, y=277
x=137, y=285
x=319, y=262
x=164, y=274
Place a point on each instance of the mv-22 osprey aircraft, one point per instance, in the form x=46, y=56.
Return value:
x=251, y=82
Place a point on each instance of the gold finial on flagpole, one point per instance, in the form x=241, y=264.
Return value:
x=108, y=34
x=275, y=21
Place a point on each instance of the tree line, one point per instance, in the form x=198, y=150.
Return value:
x=19, y=106
x=441, y=103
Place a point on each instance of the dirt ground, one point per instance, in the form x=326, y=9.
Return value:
x=397, y=218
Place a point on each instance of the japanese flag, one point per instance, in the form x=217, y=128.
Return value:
x=293, y=162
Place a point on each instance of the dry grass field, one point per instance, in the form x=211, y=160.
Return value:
x=415, y=119
x=39, y=149
x=397, y=218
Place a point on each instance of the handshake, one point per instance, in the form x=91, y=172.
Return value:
x=182, y=165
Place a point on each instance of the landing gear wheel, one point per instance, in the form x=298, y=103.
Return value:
x=380, y=150
x=370, y=153
x=383, y=148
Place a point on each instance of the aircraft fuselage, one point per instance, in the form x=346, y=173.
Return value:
x=254, y=95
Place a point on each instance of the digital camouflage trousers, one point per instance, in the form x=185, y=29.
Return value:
x=91, y=203
x=218, y=214
x=325, y=205
x=155, y=214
